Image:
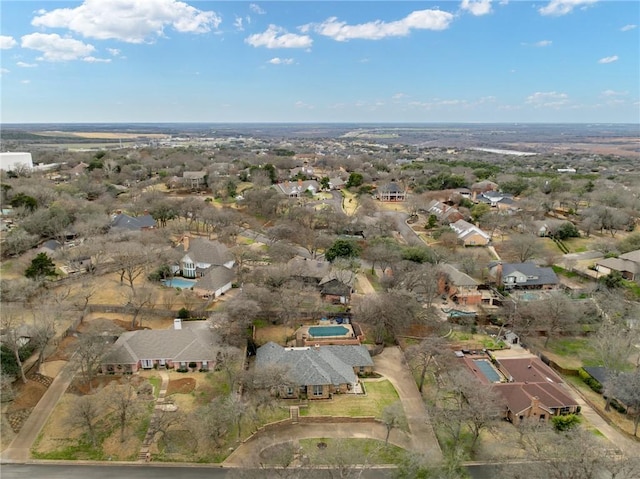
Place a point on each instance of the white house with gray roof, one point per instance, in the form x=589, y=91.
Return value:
x=523, y=276
x=316, y=372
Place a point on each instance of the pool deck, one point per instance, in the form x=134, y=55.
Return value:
x=305, y=338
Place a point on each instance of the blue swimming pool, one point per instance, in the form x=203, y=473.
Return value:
x=181, y=283
x=487, y=369
x=326, y=331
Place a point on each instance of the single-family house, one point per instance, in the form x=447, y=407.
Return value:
x=199, y=255
x=188, y=348
x=302, y=171
x=316, y=372
x=123, y=221
x=216, y=281
x=627, y=264
x=529, y=388
x=470, y=235
x=443, y=212
x=337, y=287
x=523, y=276
x=310, y=271
x=194, y=179
x=459, y=286
x=496, y=199
x=391, y=191
x=295, y=189
x=336, y=183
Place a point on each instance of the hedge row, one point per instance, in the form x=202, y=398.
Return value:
x=590, y=381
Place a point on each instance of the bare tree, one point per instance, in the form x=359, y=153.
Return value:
x=89, y=349
x=123, y=401
x=393, y=417
x=86, y=413
x=523, y=247
x=626, y=388
x=422, y=355
x=15, y=334
x=388, y=314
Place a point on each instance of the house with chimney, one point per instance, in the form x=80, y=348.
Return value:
x=529, y=388
x=443, y=212
x=459, y=286
x=627, y=264
x=470, y=235
x=391, y=191
x=295, y=189
x=523, y=276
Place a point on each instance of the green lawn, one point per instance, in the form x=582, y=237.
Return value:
x=379, y=394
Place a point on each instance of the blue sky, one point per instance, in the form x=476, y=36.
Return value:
x=306, y=61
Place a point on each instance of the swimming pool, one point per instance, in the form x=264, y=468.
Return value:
x=326, y=331
x=487, y=369
x=181, y=283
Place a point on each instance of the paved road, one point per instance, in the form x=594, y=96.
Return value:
x=390, y=363
x=19, y=449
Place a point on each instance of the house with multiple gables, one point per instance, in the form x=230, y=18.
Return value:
x=523, y=276
x=627, y=264
x=183, y=348
x=310, y=271
x=496, y=199
x=316, y=372
x=470, y=235
x=194, y=179
x=459, y=286
x=295, y=189
x=125, y=222
x=391, y=191
x=210, y=262
x=443, y=212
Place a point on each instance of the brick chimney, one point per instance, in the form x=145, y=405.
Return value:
x=498, y=277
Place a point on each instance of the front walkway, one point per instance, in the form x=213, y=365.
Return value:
x=144, y=455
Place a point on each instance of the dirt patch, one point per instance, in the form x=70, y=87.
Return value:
x=80, y=388
x=52, y=368
x=181, y=386
x=277, y=334
x=62, y=351
x=27, y=395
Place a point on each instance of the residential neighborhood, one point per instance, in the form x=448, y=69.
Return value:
x=414, y=306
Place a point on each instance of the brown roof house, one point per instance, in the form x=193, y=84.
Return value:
x=444, y=212
x=337, y=287
x=188, y=348
x=627, y=264
x=316, y=372
x=530, y=388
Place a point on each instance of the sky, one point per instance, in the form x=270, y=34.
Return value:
x=501, y=61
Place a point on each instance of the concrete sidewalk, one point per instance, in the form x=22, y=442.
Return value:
x=20, y=448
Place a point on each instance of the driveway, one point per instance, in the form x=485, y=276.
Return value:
x=390, y=363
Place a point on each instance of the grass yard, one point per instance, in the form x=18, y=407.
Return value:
x=349, y=202
x=379, y=394
x=359, y=451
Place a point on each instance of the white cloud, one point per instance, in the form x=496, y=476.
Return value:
x=7, y=42
x=281, y=61
x=399, y=96
x=277, y=37
x=547, y=99
x=611, y=59
x=55, y=48
x=626, y=28
x=557, y=8
x=26, y=65
x=610, y=93
x=113, y=52
x=543, y=43
x=256, y=9
x=376, y=30
x=4, y=71
x=91, y=59
x=130, y=21
x=237, y=23
x=476, y=7
x=25, y=82
x=303, y=105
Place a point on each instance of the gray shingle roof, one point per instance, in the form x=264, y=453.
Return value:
x=176, y=345
x=536, y=275
x=316, y=366
x=202, y=250
x=216, y=278
x=132, y=223
x=457, y=277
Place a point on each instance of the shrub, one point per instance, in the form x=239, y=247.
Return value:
x=184, y=313
x=564, y=423
x=590, y=381
x=193, y=365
